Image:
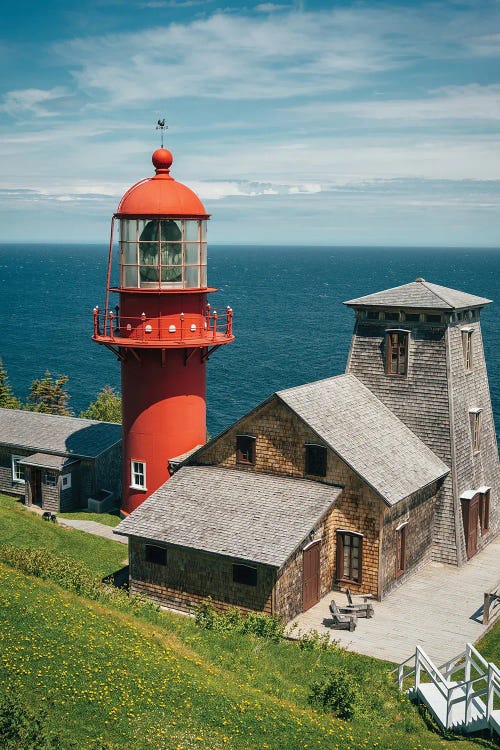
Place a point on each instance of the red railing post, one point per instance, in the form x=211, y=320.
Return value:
x=215, y=324
x=229, y=321
x=182, y=325
x=111, y=329
x=143, y=319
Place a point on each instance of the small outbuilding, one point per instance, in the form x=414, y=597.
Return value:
x=60, y=463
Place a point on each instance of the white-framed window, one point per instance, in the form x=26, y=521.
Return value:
x=50, y=478
x=66, y=481
x=475, y=428
x=138, y=475
x=17, y=469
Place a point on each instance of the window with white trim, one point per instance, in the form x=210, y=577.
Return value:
x=50, y=478
x=17, y=469
x=138, y=475
x=467, y=347
x=475, y=428
x=66, y=481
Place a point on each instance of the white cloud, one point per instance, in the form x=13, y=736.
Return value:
x=25, y=102
x=470, y=102
x=270, y=7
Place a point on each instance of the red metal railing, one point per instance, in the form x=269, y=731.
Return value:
x=189, y=327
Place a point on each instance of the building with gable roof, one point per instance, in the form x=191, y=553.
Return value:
x=60, y=463
x=357, y=480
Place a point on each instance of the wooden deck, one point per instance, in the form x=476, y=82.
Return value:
x=439, y=608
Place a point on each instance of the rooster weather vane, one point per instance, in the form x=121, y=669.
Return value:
x=162, y=127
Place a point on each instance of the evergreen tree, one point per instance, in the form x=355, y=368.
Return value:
x=48, y=395
x=106, y=408
x=7, y=398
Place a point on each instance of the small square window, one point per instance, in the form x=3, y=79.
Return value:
x=245, y=449
x=372, y=315
x=431, y=318
x=412, y=316
x=315, y=460
x=156, y=555
x=138, y=475
x=391, y=315
x=245, y=574
x=17, y=469
x=66, y=481
x=50, y=478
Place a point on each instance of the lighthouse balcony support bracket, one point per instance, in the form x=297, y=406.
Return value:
x=165, y=332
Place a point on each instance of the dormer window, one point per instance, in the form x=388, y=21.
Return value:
x=245, y=449
x=396, y=352
x=467, y=347
x=315, y=460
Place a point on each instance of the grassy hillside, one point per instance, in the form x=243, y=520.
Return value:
x=22, y=528
x=107, y=676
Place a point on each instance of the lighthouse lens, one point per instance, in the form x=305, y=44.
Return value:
x=171, y=251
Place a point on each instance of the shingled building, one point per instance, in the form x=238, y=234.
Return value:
x=60, y=463
x=355, y=480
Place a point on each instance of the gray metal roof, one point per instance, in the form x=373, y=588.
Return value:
x=48, y=433
x=366, y=435
x=421, y=294
x=251, y=516
x=48, y=461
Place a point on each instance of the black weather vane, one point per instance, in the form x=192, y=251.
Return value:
x=162, y=127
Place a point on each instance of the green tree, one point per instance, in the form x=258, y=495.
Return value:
x=48, y=395
x=7, y=398
x=106, y=408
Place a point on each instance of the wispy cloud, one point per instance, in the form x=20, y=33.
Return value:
x=39, y=102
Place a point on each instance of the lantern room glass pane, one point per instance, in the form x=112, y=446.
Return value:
x=128, y=230
x=203, y=231
x=171, y=253
x=192, y=277
x=129, y=252
x=191, y=231
x=192, y=253
x=171, y=274
x=170, y=230
x=129, y=276
x=204, y=253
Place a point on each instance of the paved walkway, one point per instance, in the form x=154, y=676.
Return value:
x=439, y=608
x=91, y=527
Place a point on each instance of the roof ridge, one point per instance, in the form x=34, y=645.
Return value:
x=427, y=283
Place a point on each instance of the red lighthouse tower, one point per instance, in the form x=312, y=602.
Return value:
x=163, y=331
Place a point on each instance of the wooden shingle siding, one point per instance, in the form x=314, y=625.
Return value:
x=190, y=577
x=280, y=449
x=6, y=483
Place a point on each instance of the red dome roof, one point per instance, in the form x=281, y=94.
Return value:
x=161, y=195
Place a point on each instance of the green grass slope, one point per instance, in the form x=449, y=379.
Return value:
x=22, y=528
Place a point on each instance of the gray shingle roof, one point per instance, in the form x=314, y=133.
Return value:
x=49, y=433
x=256, y=517
x=421, y=294
x=366, y=435
x=48, y=461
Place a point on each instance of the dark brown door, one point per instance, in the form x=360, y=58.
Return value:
x=470, y=516
x=36, y=486
x=310, y=576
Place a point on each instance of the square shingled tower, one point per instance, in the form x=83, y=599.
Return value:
x=418, y=347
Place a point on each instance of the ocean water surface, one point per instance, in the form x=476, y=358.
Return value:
x=290, y=324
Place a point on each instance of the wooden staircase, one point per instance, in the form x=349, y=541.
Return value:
x=463, y=695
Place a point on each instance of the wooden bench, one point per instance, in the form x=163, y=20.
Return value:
x=342, y=620
x=364, y=609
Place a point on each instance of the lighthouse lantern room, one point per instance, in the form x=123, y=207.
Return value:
x=162, y=330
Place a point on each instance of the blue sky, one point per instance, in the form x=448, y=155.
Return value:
x=342, y=123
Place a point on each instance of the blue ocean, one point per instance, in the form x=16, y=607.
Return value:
x=290, y=324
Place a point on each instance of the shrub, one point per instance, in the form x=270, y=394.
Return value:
x=336, y=692
x=233, y=621
x=73, y=576
x=20, y=729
